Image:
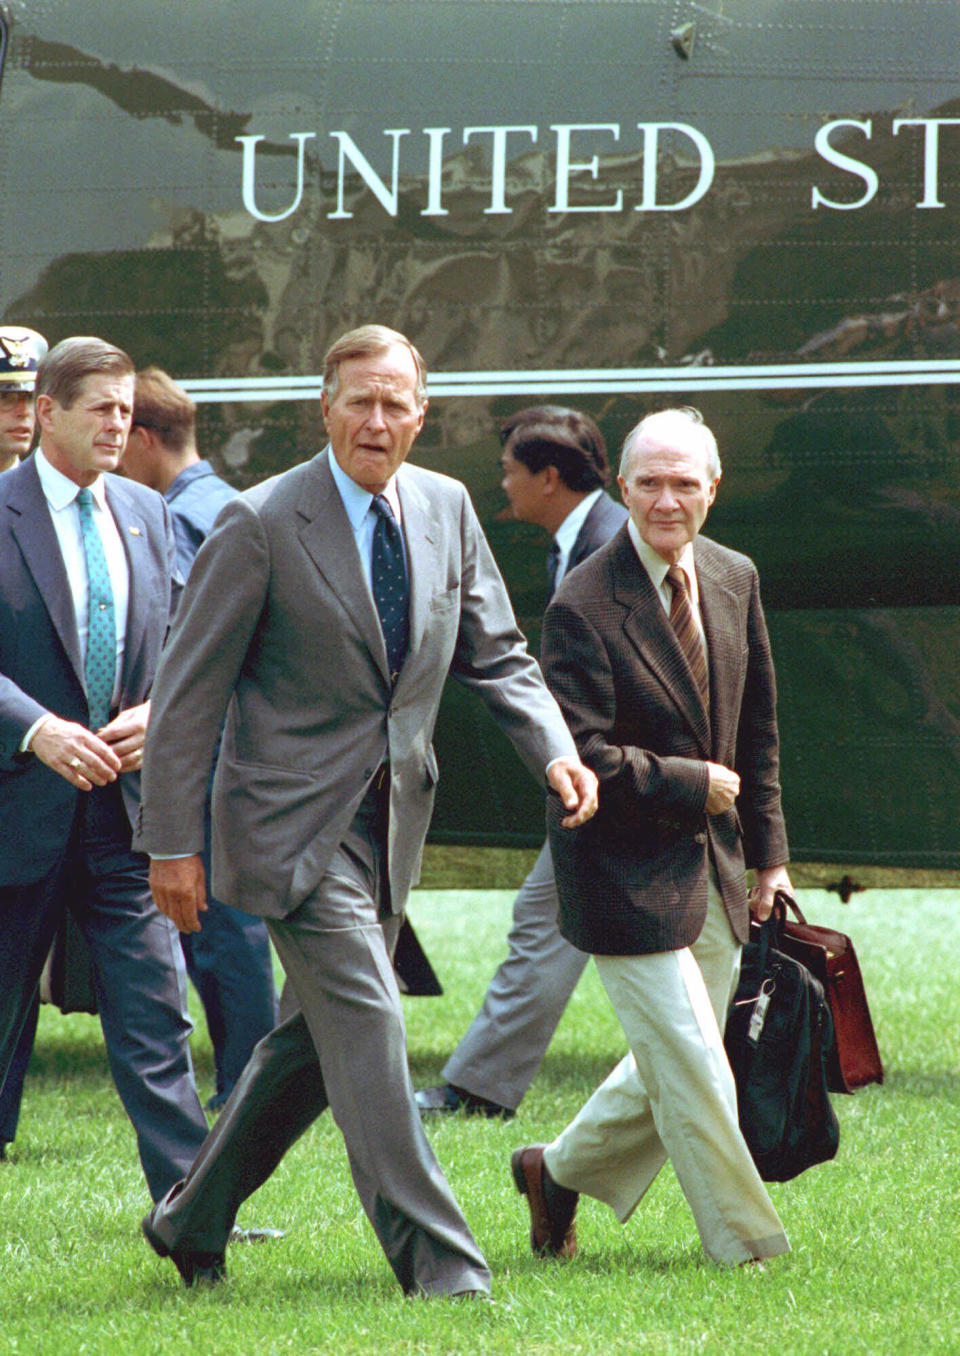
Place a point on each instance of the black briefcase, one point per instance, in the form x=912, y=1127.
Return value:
x=779, y=1037
x=67, y=979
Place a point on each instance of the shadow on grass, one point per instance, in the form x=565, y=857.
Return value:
x=943, y=1084
x=556, y=1071
x=625, y=1259
x=308, y=1287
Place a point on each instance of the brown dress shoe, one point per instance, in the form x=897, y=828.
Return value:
x=553, y=1208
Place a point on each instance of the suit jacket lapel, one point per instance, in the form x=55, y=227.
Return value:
x=37, y=539
x=580, y=548
x=718, y=608
x=141, y=581
x=329, y=541
x=648, y=629
x=420, y=538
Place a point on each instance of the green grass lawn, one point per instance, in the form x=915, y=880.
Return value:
x=875, y=1266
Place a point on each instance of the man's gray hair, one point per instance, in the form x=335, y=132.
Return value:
x=659, y=424
x=66, y=367
x=363, y=342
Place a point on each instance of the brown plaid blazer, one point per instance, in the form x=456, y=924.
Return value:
x=633, y=879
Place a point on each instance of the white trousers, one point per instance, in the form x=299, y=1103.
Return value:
x=673, y=1096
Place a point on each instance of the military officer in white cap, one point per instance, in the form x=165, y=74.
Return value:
x=20, y=353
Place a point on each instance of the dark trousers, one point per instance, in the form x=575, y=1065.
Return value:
x=138, y=973
x=12, y=1094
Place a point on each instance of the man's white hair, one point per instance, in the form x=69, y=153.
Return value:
x=659, y=425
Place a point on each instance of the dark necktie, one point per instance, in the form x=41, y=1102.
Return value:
x=391, y=591
x=100, y=662
x=553, y=564
x=688, y=632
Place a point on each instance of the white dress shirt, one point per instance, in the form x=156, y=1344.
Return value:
x=61, y=493
x=656, y=567
x=357, y=503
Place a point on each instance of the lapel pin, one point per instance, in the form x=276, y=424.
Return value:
x=134, y=531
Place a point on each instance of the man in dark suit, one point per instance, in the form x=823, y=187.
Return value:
x=657, y=651
x=21, y=350
x=322, y=617
x=554, y=471
x=87, y=573
x=229, y=959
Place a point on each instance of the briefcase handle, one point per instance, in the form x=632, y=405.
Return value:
x=787, y=902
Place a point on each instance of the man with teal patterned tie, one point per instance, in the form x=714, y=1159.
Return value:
x=88, y=579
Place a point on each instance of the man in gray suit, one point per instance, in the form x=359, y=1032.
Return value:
x=229, y=959
x=322, y=616
x=554, y=472
x=657, y=650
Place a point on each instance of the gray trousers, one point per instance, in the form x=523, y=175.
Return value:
x=506, y=1041
x=345, y=1048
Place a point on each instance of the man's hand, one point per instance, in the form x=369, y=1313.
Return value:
x=78, y=755
x=576, y=786
x=723, y=789
x=126, y=734
x=180, y=889
x=769, y=880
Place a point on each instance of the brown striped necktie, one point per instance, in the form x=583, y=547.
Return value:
x=688, y=632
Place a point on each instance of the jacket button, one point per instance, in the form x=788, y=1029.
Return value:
x=700, y=837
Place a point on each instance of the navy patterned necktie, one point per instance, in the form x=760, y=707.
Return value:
x=553, y=565
x=100, y=662
x=688, y=632
x=391, y=590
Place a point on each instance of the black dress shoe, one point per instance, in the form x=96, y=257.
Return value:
x=196, y=1268
x=3, y=1150
x=447, y=1098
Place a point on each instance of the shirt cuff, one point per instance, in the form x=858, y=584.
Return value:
x=27, y=739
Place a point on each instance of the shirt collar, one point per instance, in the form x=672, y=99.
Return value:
x=568, y=531
x=357, y=500
x=186, y=477
x=655, y=565
x=59, y=490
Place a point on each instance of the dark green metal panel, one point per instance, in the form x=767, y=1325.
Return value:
x=821, y=342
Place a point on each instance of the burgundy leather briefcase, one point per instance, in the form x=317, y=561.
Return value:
x=830, y=957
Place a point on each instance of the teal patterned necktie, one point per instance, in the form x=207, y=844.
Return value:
x=101, y=660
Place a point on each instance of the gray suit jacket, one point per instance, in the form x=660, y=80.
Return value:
x=278, y=628
x=634, y=878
